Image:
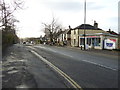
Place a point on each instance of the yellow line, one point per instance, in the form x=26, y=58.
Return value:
x=71, y=81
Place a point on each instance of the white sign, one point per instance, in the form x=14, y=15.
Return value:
x=109, y=43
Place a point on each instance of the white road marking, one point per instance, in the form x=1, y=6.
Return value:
x=107, y=67
x=99, y=65
x=67, y=55
x=71, y=81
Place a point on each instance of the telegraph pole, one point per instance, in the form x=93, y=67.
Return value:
x=84, y=23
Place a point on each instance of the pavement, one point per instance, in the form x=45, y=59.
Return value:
x=21, y=69
x=100, y=52
x=14, y=70
x=97, y=51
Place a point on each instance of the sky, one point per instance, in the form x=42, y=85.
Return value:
x=67, y=12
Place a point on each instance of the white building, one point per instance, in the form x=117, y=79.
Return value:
x=99, y=41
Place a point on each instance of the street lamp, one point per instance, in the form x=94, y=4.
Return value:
x=84, y=23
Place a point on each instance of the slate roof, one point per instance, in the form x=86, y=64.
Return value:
x=87, y=26
x=67, y=31
x=112, y=32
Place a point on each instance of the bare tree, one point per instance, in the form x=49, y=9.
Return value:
x=52, y=29
x=7, y=10
x=7, y=21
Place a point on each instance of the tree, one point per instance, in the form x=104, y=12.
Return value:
x=7, y=21
x=52, y=29
x=6, y=12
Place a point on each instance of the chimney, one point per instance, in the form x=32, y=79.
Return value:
x=95, y=24
x=70, y=27
x=109, y=30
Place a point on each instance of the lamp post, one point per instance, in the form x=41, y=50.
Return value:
x=84, y=23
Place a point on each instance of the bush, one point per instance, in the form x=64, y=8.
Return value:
x=8, y=38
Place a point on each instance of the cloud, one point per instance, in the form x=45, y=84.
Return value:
x=71, y=6
x=69, y=12
x=94, y=6
x=64, y=6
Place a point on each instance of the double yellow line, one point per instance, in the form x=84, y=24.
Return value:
x=64, y=75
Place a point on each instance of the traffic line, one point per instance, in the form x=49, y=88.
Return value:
x=94, y=63
x=64, y=75
x=107, y=67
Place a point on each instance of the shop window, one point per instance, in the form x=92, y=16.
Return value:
x=81, y=41
x=89, y=41
x=97, y=41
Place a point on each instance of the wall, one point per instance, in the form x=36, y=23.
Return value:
x=75, y=35
x=91, y=31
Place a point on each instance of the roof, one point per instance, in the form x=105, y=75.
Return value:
x=112, y=32
x=67, y=31
x=87, y=26
x=108, y=34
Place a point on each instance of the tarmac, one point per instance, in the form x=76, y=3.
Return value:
x=97, y=51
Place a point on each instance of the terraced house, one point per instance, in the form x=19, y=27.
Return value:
x=94, y=37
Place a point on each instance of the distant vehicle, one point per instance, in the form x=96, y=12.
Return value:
x=24, y=42
x=44, y=43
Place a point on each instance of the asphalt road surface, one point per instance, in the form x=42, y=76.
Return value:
x=87, y=69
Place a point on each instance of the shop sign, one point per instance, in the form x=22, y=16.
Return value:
x=92, y=36
x=109, y=43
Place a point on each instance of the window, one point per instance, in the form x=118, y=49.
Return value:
x=74, y=41
x=97, y=41
x=93, y=41
x=82, y=41
x=89, y=41
x=74, y=31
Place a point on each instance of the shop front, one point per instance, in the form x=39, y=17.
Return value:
x=98, y=41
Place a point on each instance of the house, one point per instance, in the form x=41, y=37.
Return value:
x=101, y=41
x=112, y=32
x=89, y=29
x=65, y=37
x=93, y=37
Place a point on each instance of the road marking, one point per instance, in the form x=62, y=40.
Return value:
x=71, y=81
x=67, y=55
x=99, y=65
x=107, y=67
x=54, y=51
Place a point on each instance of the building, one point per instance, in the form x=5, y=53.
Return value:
x=94, y=37
x=89, y=29
x=100, y=41
x=112, y=32
x=65, y=37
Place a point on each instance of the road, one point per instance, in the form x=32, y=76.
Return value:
x=87, y=69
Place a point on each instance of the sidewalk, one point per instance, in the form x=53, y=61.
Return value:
x=95, y=51
x=98, y=51
x=14, y=70
x=22, y=69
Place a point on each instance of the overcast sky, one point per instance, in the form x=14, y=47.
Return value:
x=67, y=12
